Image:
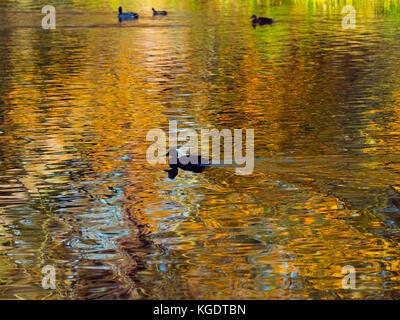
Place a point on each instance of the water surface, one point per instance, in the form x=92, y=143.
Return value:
x=77, y=193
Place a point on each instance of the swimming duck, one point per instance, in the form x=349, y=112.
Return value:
x=126, y=15
x=261, y=21
x=188, y=163
x=159, y=13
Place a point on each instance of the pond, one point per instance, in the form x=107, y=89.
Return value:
x=77, y=193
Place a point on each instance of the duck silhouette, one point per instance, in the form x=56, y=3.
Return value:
x=126, y=15
x=195, y=164
x=261, y=20
x=159, y=13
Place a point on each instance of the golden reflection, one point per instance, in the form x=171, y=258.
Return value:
x=76, y=187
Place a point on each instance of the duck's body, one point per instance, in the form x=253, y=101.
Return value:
x=126, y=15
x=195, y=164
x=159, y=13
x=261, y=20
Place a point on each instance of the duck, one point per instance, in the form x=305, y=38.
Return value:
x=126, y=15
x=261, y=20
x=195, y=164
x=159, y=13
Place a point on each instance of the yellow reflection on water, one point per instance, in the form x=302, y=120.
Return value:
x=77, y=192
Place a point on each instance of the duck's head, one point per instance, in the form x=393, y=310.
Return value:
x=153, y=9
x=172, y=173
x=120, y=10
x=253, y=16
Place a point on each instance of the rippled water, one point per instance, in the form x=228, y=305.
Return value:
x=77, y=193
